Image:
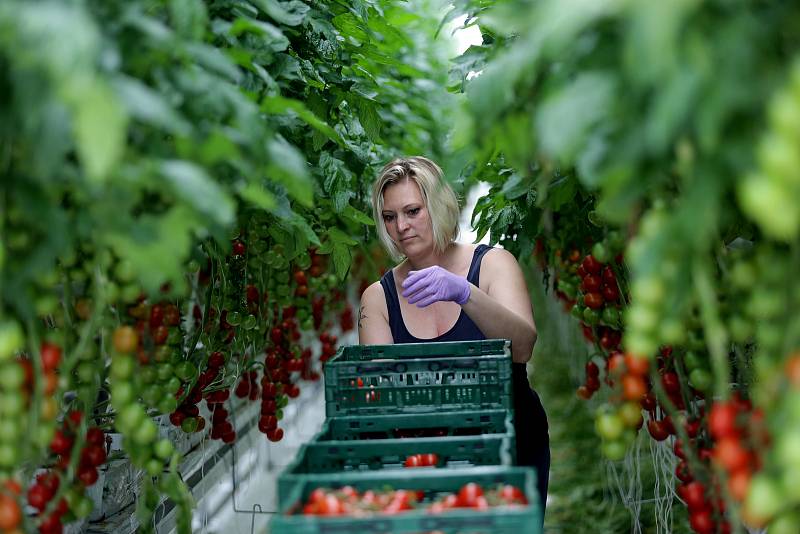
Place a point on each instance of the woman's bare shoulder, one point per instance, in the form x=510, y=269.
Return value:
x=498, y=263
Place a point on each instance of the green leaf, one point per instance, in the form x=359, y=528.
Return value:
x=302, y=225
x=357, y=216
x=369, y=119
x=565, y=119
x=258, y=196
x=197, y=189
x=290, y=13
x=149, y=106
x=341, y=260
x=157, y=247
x=515, y=187
x=214, y=60
x=288, y=167
x=278, y=105
x=100, y=126
x=339, y=237
x=189, y=18
x=276, y=40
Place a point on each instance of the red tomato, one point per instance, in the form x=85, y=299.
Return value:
x=584, y=393
x=61, y=443
x=512, y=494
x=125, y=339
x=671, y=382
x=694, y=493
x=430, y=459
x=94, y=455
x=702, y=521
x=637, y=365
x=330, y=505
x=739, y=483
x=593, y=300
x=38, y=496
x=610, y=292
x=413, y=461
x=468, y=495
x=682, y=472
x=51, y=356
x=634, y=387
x=591, y=283
x=722, y=420
x=609, y=277
x=95, y=436
x=88, y=475
x=592, y=369
x=591, y=265
x=730, y=453
x=658, y=430
x=10, y=513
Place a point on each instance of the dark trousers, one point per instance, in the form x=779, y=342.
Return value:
x=530, y=424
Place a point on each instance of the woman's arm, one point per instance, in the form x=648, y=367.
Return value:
x=373, y=318
x=503, y=310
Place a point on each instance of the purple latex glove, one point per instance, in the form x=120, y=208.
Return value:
x=433, y=284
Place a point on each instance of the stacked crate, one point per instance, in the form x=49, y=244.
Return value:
x=385, y=403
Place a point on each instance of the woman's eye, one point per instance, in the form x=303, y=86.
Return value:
x=388, y=218
x=414, y=211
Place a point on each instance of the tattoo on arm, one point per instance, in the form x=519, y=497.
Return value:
x=361, y=315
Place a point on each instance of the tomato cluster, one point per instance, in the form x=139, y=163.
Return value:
x=348, y=501
x=422, y=460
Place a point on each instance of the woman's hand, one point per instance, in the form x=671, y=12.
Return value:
x=434, y=284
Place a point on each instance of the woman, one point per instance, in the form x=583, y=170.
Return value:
x=448, y=291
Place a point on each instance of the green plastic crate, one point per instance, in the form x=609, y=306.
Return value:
x=421, y=425
x=501, y=520
x=327, y=460
x=419, y=377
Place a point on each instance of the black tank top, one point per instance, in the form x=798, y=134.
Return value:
x=464, y=329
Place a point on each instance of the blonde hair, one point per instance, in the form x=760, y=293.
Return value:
x=440, y=200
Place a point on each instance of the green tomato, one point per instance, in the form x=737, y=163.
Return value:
x=692, y=360
x=130, y=418
x=672, y=331
x=154, y=467
x=186, y=371
x=11, y=402
x=189, y=425
x=613, y=450
x=152, y=394
x=85, y=372
x=234, y=318
x=82, y=507
x=148, y=374
x=648, y=291
x=168, y=404
x=124, y=272
x=172, y=385
x=249, y=322
x=11, y=339
x=591, y=316
x=600, y=252
x=122, y=394
x=9, y=455
x=701, y=379
x=11, y=376
x=611, y=316
x=764, y=498
x=10, y=429
x=146, y=433
x=163, y=449
x=609, y=426
x=164, y=371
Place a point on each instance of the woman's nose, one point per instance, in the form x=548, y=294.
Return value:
x=402, y=223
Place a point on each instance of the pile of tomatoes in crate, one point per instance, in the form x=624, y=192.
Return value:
x=349, y=501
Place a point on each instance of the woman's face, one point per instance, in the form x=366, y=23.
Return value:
x=406, y=218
